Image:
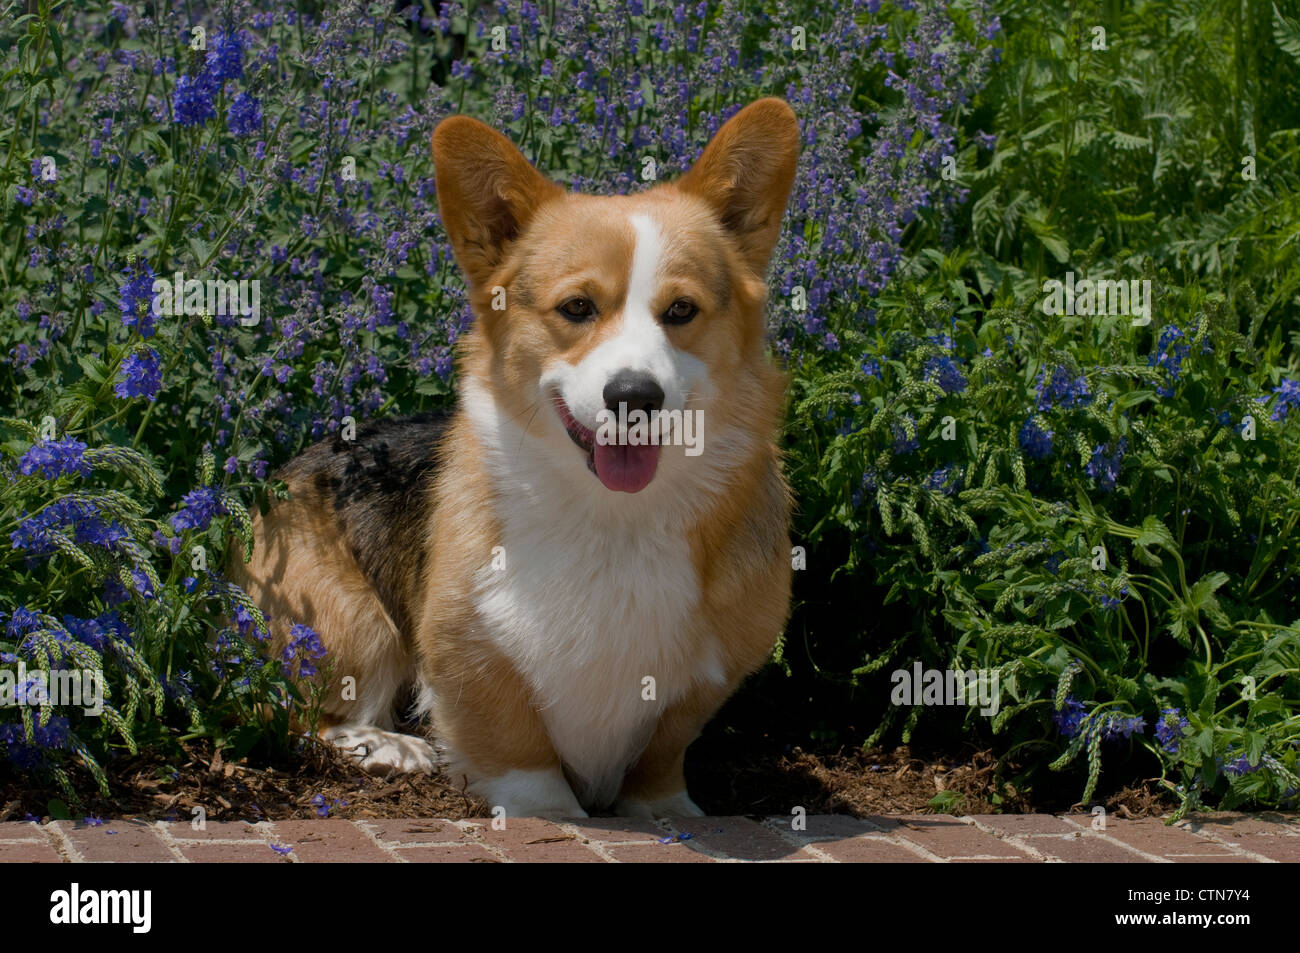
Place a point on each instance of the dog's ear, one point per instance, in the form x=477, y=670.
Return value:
x=746, y=172
x=487, y=192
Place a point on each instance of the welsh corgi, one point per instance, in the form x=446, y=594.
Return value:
x=574, y=570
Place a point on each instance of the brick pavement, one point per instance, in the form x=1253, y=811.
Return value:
x=1035, y=838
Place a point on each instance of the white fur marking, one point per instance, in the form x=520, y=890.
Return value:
x=530, y=794
x=382, y=752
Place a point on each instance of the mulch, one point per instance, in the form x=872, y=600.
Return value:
x=724, y=778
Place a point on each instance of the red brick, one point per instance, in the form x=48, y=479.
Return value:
x=948, y=837
x=1082, y=848
x=1010, y=825
x=1280, y=847
x=821, y=827
x=29, y=852
x=676, y=853
x=432, y=853
x=614, y=830
x=433, y=831
x=134, y=841
x=217, y=852
x=1152, y=835
x=20, y=830
x=740, y=838
x=875, y=849
x=214, y=831
x=328, y=841
x=533, y=840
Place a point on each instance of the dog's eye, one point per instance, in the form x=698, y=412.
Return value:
x=578, y=309
x=680, y=311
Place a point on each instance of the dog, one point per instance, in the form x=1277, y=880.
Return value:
x=554, y=575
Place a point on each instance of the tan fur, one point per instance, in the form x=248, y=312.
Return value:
x=511, y=227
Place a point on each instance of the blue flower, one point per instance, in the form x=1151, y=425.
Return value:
x=136, y=300
x=225, y=59
x=200, y=507
x=1060, y=388
x=95, y=632
x=39, y=534
x=306, y=647
x=1288, y=396
x=946, y=373
x=1237, y=766
x=140, y=375
x=1115, y=726
x=1035, y=441
x=946, y=480
x=244, y=117
x=871, y=367
x=1170, y=729
x=55, y=458
x=50, y=737
x=903, y=444
x=1104, y=466
x=1169, y=356
x=192, y=100
x=1068, y=718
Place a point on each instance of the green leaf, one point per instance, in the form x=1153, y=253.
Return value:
x=1286, y=33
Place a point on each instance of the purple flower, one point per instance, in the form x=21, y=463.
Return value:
x=1115, y=726
x=1069, y=717
x=39, y=535
x=225, y=59
x=1288, y=396
x=199, y=508
x=1105, y=465
x=1058, y=387
x=136, y=299
x=140, y=375
x=1035, y=441
x=1239, y=765
x=97, y=631
x=1170, y=729
x=946, y=480
x=55, y=458
x=946, y=373
x=306, y=648
x=244, y=117
x=192, y=101
x=1169, y=356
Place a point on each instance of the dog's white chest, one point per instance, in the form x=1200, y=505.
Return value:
x=597, y=621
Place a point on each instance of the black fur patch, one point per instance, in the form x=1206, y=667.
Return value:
x=380, y=488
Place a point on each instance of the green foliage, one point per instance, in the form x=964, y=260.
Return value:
x=1109, y=521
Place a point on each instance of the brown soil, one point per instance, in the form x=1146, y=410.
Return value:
x=828, y=781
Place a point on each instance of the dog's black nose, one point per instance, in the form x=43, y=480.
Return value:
x=638, y=390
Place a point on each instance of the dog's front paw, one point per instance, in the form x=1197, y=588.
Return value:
x=674, y=805
x=530, y=794
x=382, y=752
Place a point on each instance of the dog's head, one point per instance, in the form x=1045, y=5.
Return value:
x=620, y=330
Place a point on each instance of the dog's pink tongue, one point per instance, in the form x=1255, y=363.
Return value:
x=626, y=467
